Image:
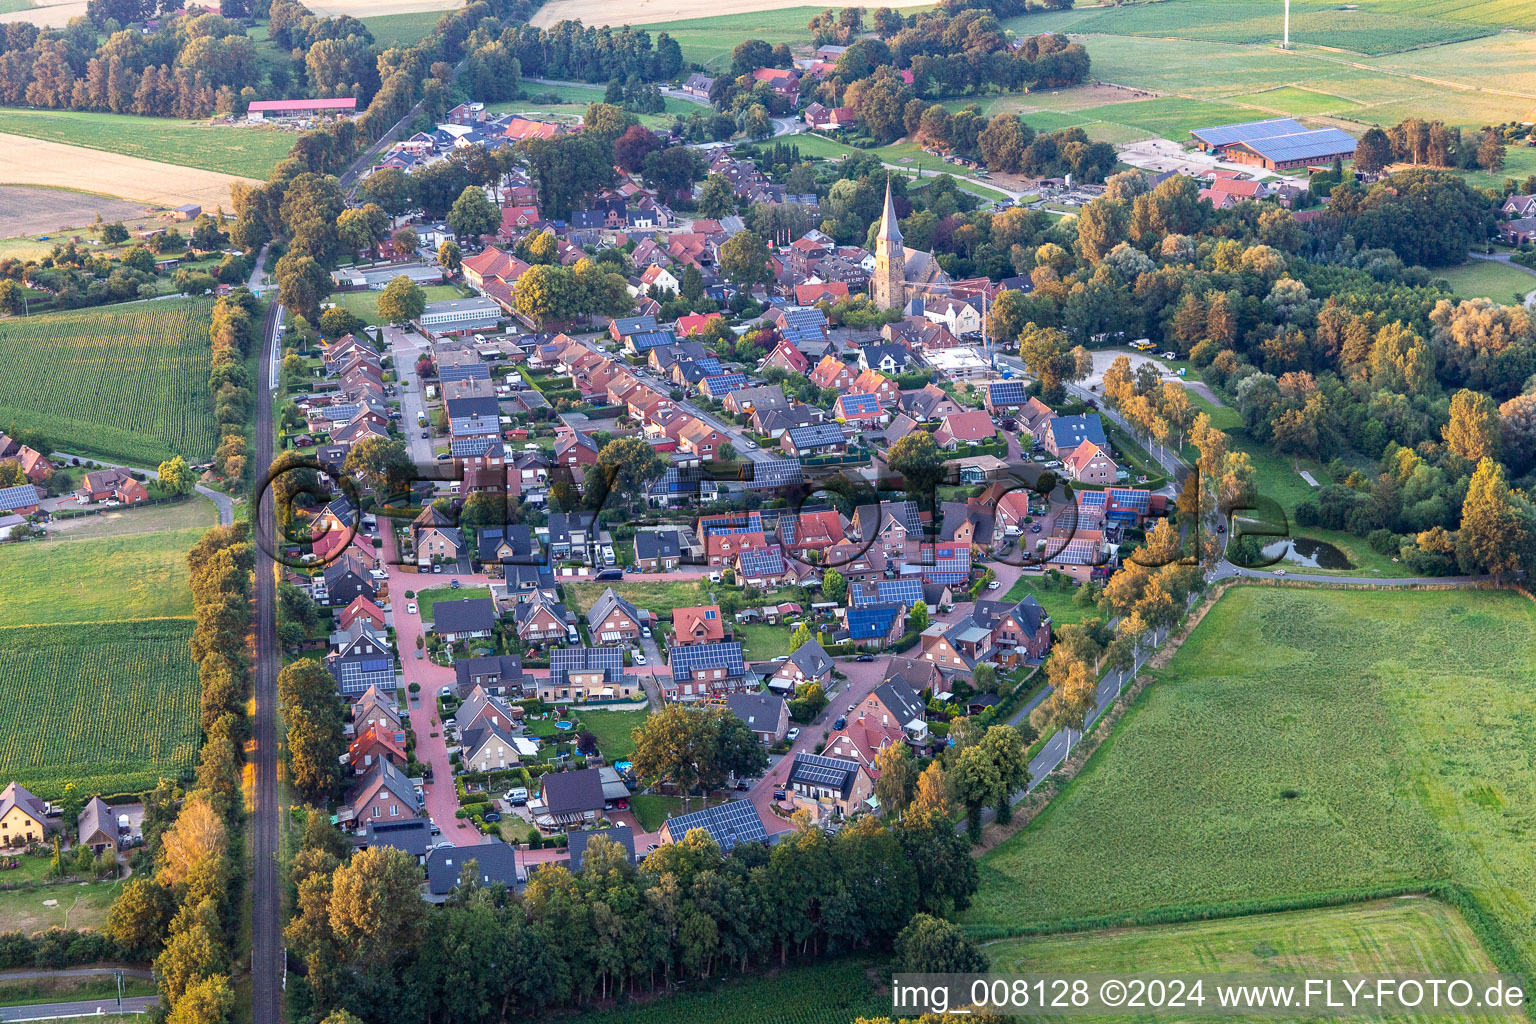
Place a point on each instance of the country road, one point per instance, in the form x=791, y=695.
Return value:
x=83, y=1008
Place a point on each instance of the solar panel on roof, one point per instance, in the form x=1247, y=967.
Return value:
x=1007, y=392
x=727, y=824
x=822, y=771
x=1226, y=134
x=864, y=623
x=1131, y=498
x=1303, y=145
x=467, y=371
x=688, y=660
x=761, y=562
x=725, y=383
x=860, y=403
x=815, y=435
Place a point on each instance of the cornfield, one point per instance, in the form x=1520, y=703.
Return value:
x=127, y=382
x=110, y=706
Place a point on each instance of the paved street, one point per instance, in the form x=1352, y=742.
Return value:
x=406, y=347
x=85, y=1008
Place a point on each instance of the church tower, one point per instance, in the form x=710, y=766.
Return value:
x=887, y=286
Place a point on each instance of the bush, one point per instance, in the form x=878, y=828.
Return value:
x=1384, y=542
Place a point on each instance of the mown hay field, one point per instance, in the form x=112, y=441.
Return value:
x=1300, y=743
x=57, y=165
x=110, y=706
x=123, y=382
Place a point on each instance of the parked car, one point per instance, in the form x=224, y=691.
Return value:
x=411, y=608
x=432, y=825
x=425, y=435
x=639, y=658
x=453, y=584
x=1279, y=572
x=1221, y=527
x=1035, y=528
x=516, y=795
x=840, y=723
x=714, y=577
x=865, y=657
x=645, y=631
x=793, y=734
x=994, y=585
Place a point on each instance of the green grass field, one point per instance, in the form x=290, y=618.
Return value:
x=1489, y=279
x=248, y=151
x=1408, y=935
x=365, y=304
x=1302, y=742
x=141, y=576
x=710, y=40
x=835, y=991
x=656, y=596
x=403, y=29
x=109, y=706
x=425, y=599
x=652, y=810
x=762, y=642
x=1056, y=600
x=612, y=729
x=123, y=382
x=74, y=906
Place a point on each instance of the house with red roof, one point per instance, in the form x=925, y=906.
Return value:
x=872, y=382
x=520, y=128
x=493, y=265
x=784, y=82
x=362, y=608
x=787, y=357
x=703, y=624
x=693, y=323
x=826, y=291
x=832, y=372
x=517, y=219
x=964, y=428
x=1090, y=464
x=377, y=743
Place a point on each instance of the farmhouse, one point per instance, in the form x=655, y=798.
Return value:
x=97, y=826
x=23, y=817
x=111, y=485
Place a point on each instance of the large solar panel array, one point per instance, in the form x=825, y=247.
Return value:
x=565, y=660
x=718, y=526
x=857, y=403
x=1304, y=145
x=870, y=622
x=688, y=660
x=465, y=371
x=762, y=562
x=727, y=824
x=816, y=435
x=1246, y=131
x=775, y=473
x=23, y=496
x=1007, y=392
x=822, y=771
x=725, y=383
x=903, y=591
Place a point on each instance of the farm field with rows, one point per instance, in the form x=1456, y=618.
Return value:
x=109, y=706
x=125, y=382
x=1300, y=743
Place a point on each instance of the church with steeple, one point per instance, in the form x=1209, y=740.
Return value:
x=901, y=274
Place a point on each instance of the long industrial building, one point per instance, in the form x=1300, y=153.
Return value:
x=1277, y=145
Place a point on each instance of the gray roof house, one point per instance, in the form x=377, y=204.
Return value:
x=458, y=620
x=495, y=861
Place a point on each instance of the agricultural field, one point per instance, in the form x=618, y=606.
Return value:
x=139, y=576
x=1357, y=27
x=42, y=211
x=1489, y=279
x=403, y=29
x=732, y=20
x=247, y=151
x=1408, y=934
x=56, y=165
x=834, y=991
x=110, y=706
x=123, y=382
x=1301, y=742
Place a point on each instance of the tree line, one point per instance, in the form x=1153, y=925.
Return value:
x=372, y=948
x=571, y=50
x=181, y=908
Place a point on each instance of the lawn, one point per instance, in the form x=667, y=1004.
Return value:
x=1302, y=742
x=762, y=642
x=1057, y=600
x=196, y=512
x=1489, y=279
x=612, y=729
x=654, y=595
x=824, y=991
x=652, y=810
x=76, y=906
x=141, y=576
x=365, y=304
x=110, y=706
x=94, y=392
x=249, y=151
x=425, y=599
x=1401, y=935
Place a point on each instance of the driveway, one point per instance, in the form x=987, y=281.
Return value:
x=406, y=347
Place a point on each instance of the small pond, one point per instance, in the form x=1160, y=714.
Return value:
x=1314, y=554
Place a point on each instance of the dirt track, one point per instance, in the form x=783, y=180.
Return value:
x=35, y=162
x=646, y=12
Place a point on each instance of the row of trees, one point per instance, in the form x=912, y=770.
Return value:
x=1432, y=143
x=370, y=945
x=232, y=331
x=183, y=912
